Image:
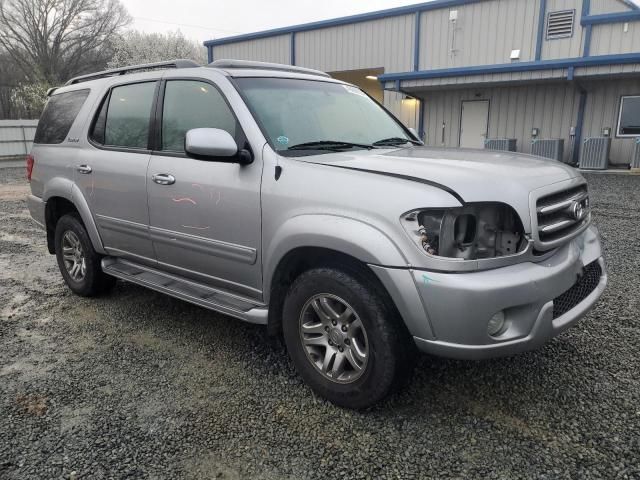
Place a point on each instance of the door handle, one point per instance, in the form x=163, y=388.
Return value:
x=85, y=169
x=163, y=179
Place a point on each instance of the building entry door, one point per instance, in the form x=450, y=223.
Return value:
x=474, y=123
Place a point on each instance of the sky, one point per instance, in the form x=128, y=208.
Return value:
x=206, y=19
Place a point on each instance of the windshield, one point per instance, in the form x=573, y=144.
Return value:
x=316, y=117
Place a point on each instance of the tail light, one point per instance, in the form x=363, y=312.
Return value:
x=30, y=161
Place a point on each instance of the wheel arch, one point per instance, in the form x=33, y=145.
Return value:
x=67, y=198
x=303, y=258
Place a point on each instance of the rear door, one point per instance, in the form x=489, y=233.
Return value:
x=112, y=172
x=474, y=123
x=205, y=217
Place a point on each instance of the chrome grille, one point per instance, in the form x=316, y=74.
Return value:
x=562, y=214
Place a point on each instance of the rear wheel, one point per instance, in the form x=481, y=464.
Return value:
x=78, y=261
x=343, y=337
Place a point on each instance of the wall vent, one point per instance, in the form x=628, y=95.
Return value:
x=635, y=160
x=505, y=144
x=560, y=24
x=552, y=148
x=595, y=153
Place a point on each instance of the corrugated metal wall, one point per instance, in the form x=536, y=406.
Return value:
x=485, y=33
x=384, y=43
x=612, y=38
x=405, y=109
x=602, y=110
x=272, y=49
x=16, y=137
x=569, y=47
x=513, y=113
x=607, y=6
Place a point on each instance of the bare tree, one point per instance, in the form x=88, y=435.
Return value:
x=134, y=47
x=52, y=40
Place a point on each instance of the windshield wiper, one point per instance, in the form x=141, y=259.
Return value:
x=394, y=141
x=329, y=145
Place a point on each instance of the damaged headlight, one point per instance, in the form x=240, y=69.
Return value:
x=471, y=232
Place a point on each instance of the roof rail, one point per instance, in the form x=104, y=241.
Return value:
x=265, y=66
x=179, y=63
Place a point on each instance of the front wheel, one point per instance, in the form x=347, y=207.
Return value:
x=343, y=337
x=78, y=261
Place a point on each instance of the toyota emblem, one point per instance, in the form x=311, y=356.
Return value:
x=577, y=211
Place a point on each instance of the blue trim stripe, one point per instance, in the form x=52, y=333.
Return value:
x=624, y=58
x=633, y=16
x=292, y=58
x=416, y=44
x=542, y=20
x=587, y=41
x=363, y=17
x=421, y=120
x=586, y=9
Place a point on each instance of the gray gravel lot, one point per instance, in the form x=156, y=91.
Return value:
x=137, y=384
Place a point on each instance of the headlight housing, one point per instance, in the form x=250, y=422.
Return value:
x=474, y=231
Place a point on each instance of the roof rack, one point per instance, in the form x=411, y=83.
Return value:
x=265, y=66
x=179, y=63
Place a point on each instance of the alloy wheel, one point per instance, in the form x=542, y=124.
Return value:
x=73, y=256
x=334, y=338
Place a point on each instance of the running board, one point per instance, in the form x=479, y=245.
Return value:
x=186, y=290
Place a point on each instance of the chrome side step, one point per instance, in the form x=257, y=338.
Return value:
x=187, y=290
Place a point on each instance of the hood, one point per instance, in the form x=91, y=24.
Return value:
x=474, y=175
x=469, y=175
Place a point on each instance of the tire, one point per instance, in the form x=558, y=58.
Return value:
x=88, y=279
x=381, y=337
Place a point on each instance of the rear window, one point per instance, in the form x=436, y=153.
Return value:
x=58, y=116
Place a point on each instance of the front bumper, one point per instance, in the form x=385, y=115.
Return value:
x=457, y=307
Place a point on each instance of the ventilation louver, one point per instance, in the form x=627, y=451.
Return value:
x=635, y=160
x=560, y=24
x=595, y=153
x=504, y=144
x=552, y=148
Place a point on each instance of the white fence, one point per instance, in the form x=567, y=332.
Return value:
x=16, y=137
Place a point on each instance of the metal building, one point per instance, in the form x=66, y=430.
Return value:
x=465, y=72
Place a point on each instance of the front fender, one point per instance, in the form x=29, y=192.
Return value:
x=65, y=188
x=343, y=234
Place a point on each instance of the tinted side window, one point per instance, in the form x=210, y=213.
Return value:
x=58, y=116
x=191, y=104
x=629, y=116
x=128, y=113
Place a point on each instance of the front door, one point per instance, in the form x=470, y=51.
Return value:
x=205, y=217
x=113, y=174
x=474, y=123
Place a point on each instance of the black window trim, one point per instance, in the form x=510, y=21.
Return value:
x=156, y=142
x=106, y=97
x=66, y=136
x=620, y=105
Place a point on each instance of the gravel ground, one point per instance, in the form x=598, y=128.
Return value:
x=137, y=384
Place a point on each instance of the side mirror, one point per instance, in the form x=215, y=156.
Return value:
x=203, y=143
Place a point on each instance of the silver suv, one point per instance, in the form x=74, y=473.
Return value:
x=283, y=197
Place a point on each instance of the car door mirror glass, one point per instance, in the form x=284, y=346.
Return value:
x=209, y=143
